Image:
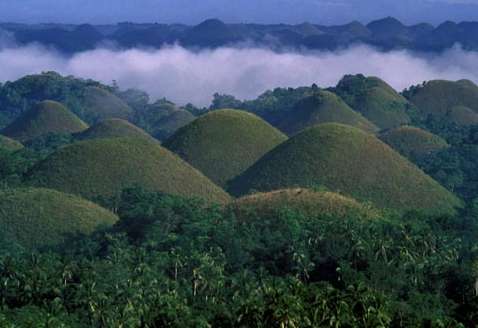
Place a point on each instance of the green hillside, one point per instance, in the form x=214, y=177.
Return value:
x=375, y=99
x=167, y=126
x=44, y=118
x=113, y=128
x=33, y=218
x=322, y=107
x=99, y=104
x=102, y=168
x=224, y=143
x=462, y=115
x=307, y=202
x=413, y=143
x=346, y=160
x=9, y=144
x=438, y=97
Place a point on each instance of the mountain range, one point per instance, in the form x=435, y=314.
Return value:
x=386, y=34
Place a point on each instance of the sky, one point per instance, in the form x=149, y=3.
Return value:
x=258, y=11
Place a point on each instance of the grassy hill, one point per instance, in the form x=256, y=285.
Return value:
x=100, y=169
x=346, y=160
x=413, y=143
x=224, y=143
x=462, y=115
x=46, y=117
x=167, y=126
x=33, y=218
x=9, y=144
x=309, y=203
x=438, y=97
x=99, y=104
x=323, y=107
x=375, y=99
x=113, y=128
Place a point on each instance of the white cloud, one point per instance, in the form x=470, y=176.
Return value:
x=185, y=76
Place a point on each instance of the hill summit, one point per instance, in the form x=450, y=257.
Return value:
x=44, y=118
x=224, y=143
x=99, y=169
x=374, y=99
x=323, y=107
x=307, y=202
x=113, y=128
x=347, y=160
x=33, y=218
x=413, y=143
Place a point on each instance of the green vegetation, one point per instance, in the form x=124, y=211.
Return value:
x=456, y=167
x=35, y=218
x=438, y=97
x=9, y=144
x=100, y=104
x=113, y=128
x=413, y=143
x=462, y=115
x=162, y=118
x=99, y=169
x=323, y=107
x=307, y=202
x=337, y=229
x=22, y=95
x=274, y=106
x=46, y=117
x=346, y=160
x=174, y=262
x=224, y=143
x=375, y=100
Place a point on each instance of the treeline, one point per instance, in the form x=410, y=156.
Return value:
x=177, y=262
x=386, y=34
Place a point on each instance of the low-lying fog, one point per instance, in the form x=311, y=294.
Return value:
x=185, y=76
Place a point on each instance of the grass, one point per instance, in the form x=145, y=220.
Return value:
x=34, y=218
x=438, y=97
x=349, y=161
x=323, y=107
x=168, y=125
x=113, y=128
x=375, y=99
x=224, y=143
x=44, y=118
x=305, y=201
x=462, y=115
x=413, y=143
x=9, y=144
x=102, y=168
x=100, y=104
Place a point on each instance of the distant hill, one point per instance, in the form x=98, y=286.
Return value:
x=34, y=218
x=224, y=143
x=387, y=33
x=81, y=38
x=100, y=104
x=9, y=144
x=88, y=99
x=346, y=160
x=113, y=128
x=462, y=115
x=413, y=143
x=441, y=98
x=375, y=100
x=162, y=118
x=322, y=107
x=100, y=169
x=46, y=117
x=307, y=202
